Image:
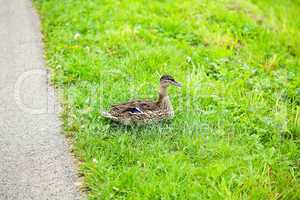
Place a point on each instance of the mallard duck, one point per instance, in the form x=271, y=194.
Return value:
x=142, y=111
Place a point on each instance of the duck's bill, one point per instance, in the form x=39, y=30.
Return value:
x=177, y=84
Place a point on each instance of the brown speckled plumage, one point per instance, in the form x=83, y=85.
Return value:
x=142, y=112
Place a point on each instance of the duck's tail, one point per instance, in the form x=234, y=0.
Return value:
x=108, y=115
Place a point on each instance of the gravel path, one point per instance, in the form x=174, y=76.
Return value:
x=34, y=157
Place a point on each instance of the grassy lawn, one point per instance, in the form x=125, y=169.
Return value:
x=236, y=131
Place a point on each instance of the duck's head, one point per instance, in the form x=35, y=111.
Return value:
x=167, y=80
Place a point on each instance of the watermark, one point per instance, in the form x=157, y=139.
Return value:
x=94, y=93
x=44, y=95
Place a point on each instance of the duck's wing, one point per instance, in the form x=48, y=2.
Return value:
x=137, y=111
x=136, y=106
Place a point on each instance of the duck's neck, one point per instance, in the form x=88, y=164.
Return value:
x=164, y=101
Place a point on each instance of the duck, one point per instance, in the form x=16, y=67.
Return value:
x=144, y=111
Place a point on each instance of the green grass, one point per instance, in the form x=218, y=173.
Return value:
x=236, y=130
